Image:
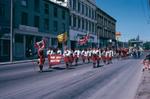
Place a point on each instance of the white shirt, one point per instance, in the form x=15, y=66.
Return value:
x=76, y=52
x=67, y=53
x=59, y=52
x=50, y=52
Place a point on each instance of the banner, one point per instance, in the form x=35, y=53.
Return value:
x=55, y=59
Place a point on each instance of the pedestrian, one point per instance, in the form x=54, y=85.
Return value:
x=146, y=63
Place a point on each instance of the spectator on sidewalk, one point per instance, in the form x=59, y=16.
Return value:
x=146, y=62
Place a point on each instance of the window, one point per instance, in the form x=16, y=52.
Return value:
x=74, y=21
x=55, y=12
x=82, y=8
x=79, y=6
x=92, y=14
x=74, y=4
x=46, y=24
x=24, y=3
x=37, y=5
x=93, y=26
x=82, y=23
x=24, y=18
x=87, y=25
x=86, y=10
x=63, y=27
x=79, y=22
x=2, y=10
x=70, y=21
x=36, y=21
x=6, y=46
x=63, y=14
x=55, y=26
x=46, y=9
x=70, y=3
x=89, y=12
x=18, y=38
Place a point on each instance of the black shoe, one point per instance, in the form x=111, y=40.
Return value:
x=143, y=70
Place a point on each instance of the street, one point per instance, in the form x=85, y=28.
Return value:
x=119, y=80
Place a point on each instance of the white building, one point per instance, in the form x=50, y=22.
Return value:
x=82, y=20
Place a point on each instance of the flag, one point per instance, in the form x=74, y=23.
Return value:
x=62, y=37
x=40, y=44
x=84, y=39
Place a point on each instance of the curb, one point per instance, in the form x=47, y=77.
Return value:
x=17, y=62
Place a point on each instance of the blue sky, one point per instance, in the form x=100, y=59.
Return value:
x=133, y=17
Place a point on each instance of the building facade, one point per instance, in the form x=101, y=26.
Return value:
x=105, y=28
x=34, y=20
x=82, y=21
x=4, y=30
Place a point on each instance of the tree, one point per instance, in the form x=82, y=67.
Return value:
x=146, y=45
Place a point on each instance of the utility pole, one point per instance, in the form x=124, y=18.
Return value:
x=11, y=31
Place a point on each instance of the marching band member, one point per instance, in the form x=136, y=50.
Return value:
x=94, y=57
x=49, y=53
x=107, y=56
x=98, y=52
x=40, y=46
x=103, y=55
x=83, y=55
x=111, y=54
x=71, y=58
x=76, y=55
x=66, y=55
x=59, y=52
x=89, y=55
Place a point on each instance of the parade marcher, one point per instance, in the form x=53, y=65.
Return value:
x=59, y=52
x=49, y=53
x=40, y=46
x=66, y=55
x=107, y=55
x=83, y=55
x=76, y=55
x=94, y=57
x=89, y=54
x=99, y=56
x=71, y=58
x=111, y=54
x=103, y=55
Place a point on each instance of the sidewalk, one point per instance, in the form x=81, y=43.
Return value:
x=144, y=87
x=17, y=62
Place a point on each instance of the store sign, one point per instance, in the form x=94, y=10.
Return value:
x=28, y=28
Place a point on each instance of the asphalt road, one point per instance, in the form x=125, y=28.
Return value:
x=119, y=80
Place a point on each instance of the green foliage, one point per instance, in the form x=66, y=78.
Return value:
x=146, y=45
